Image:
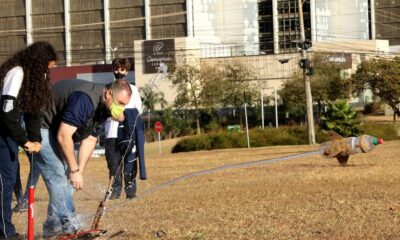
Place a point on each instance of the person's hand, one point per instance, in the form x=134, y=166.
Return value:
x=38, y=146
x=119, y=118
x=76, y=180
x=30, y=147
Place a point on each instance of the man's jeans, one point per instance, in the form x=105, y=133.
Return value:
x=61, y=217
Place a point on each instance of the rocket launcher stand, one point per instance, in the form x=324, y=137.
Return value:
x=95, y=232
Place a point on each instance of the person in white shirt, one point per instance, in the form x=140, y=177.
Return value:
x=121, y=162
x=25, y=90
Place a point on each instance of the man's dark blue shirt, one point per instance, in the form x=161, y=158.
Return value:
x=78, y=109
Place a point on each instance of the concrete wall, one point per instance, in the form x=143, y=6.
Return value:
x=226, y=27
x=268, y=68
x=338, y=20
x=354, y=46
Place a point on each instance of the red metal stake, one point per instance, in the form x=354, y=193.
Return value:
x=31, y=212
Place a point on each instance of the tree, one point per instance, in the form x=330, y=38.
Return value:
x=327, y=84
x=151, y=99
x=383, y=78
x=238, y=85
x=293, y=95
x=341, y=118
x=196, y=87
x=173, y=125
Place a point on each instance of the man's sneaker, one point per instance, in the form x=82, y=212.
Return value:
x=21, y=207
x=69, y=229
x=51, y=231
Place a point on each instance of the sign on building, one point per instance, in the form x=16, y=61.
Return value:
x=344, y=60
x=156, y=52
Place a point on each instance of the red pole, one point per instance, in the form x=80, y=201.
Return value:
x=31, y=212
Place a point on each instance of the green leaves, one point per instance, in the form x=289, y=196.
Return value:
x=327, y=84
x=341, y=118
x=382, y=76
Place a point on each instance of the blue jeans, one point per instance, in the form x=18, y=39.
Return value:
x=8, y=175
x=61, y=217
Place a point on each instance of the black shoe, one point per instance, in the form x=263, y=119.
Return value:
x=115, y=195
x=115, y=192
x=17, y=236
x=21, y=207
x=130, y=190
x=130, y=195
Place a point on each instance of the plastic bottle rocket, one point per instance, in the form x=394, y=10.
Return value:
x=341, y=148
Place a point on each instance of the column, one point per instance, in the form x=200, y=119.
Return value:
x=107, y=36
x=67, y=20
x=189, y=18
x=147, y=13
x=275, y=23
x=28, y=17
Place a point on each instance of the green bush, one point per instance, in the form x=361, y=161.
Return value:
x=294, y=135
x=220, y=141
x=196, y=143
x=372, y=108
x=341, y=118
x=258, y=138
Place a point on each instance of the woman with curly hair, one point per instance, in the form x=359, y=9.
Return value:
x=25, y=92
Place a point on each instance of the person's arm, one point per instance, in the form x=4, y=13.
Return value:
x=32, y=125
x=32, y=128
x=64, y=137
x=76, y=112
x=85, y=151
x=10, y=112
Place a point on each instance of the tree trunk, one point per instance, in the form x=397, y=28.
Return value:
x=396, y=112
x=198, y=124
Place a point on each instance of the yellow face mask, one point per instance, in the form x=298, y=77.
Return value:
x=116, y=109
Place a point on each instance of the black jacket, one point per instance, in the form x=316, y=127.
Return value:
x=131, y=133
x=10, y=122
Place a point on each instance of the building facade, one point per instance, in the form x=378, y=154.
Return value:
x=386, y=18
x=88, y=31
x=263, y=33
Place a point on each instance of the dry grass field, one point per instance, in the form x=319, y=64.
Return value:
x=305, y=198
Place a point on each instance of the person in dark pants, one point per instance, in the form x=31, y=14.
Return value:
x=25, y=90
x=131, y=137
x=121, y=161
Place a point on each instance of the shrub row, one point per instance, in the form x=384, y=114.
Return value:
x=294, y=135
